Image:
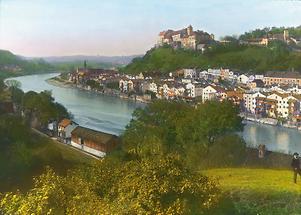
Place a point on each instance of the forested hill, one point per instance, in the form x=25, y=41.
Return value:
x=12, y=65
x=276, y=56
x=258, y=33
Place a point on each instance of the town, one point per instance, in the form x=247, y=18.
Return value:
x=273, y=98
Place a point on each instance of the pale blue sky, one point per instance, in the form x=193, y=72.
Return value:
x=124, y=27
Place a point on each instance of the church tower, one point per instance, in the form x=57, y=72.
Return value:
x=285, y=35
x=189, y=30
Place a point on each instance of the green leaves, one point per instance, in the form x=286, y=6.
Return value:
x=163, y=60
x=42, y=105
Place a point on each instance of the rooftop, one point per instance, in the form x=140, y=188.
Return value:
x=95, y=136
x=65, y=122
x=283, y=74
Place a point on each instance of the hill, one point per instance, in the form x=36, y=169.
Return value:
x=122, y=60
x=276, y=56
x=258, y=33
x=69, y=63
x=12, y=65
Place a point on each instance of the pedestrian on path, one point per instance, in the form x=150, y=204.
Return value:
x=296, y=166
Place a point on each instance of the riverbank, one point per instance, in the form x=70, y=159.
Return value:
x=56, y=81
x=270, y=121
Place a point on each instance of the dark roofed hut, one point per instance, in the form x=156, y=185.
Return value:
x=94, y=142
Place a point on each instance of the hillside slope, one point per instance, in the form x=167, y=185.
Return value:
x=12, y=65
x=277, y=56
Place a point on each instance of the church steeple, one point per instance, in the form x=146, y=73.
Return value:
x=189, y=30
x=85, y=64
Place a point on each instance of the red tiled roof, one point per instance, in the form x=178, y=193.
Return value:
x=65, y=122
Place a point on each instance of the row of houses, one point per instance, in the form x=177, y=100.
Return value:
x=103, y=76
x=88, y=140
x=256, y=94
x=273, y=105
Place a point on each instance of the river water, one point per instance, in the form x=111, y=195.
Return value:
x=111, y=114
x=99, y=112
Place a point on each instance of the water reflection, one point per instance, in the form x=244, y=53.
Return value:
x=275, y=138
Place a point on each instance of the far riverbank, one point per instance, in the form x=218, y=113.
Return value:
x=57, y=81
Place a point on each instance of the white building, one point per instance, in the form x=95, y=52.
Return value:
x=250, y=101
x=243, y=79
x=212, y=92
x=153, y=87
x=126, y=85
x=283, y=103
x=203, y=75
x=189, y=73
x=214, y=72
x=190, y=89
x=259, y=77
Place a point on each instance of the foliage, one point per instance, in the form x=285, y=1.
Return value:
x=230, y=55
x=227, y=151
x=218, y=118
x=94, y=84
x=259, y=33
x=12, y=65
x=163, y=127
x=113, y=85
x=43, y=106
x=2, y=85
x=151, y=93
x=160, y=186
x=24, y=154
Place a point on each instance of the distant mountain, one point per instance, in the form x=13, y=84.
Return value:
x=13, y=65
x=118, y=60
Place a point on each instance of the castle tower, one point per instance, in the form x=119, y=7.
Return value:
x=189, y=30
x=285, y=35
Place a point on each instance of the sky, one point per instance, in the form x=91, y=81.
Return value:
x=38, y=28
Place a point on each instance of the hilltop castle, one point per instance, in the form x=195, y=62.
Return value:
x=185, y=38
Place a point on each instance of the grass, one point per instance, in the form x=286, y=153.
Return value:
x=260, y=191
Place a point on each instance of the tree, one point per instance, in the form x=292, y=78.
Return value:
x=43, y=107
x=218, y=118
x=165, y=126
x=159, y=128
x=113, y=85
x=232, y=39
x=2, y=85
x=16, y=95
x=157, y=185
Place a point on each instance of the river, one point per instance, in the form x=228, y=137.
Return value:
x=99, y=112
x=111, y=114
